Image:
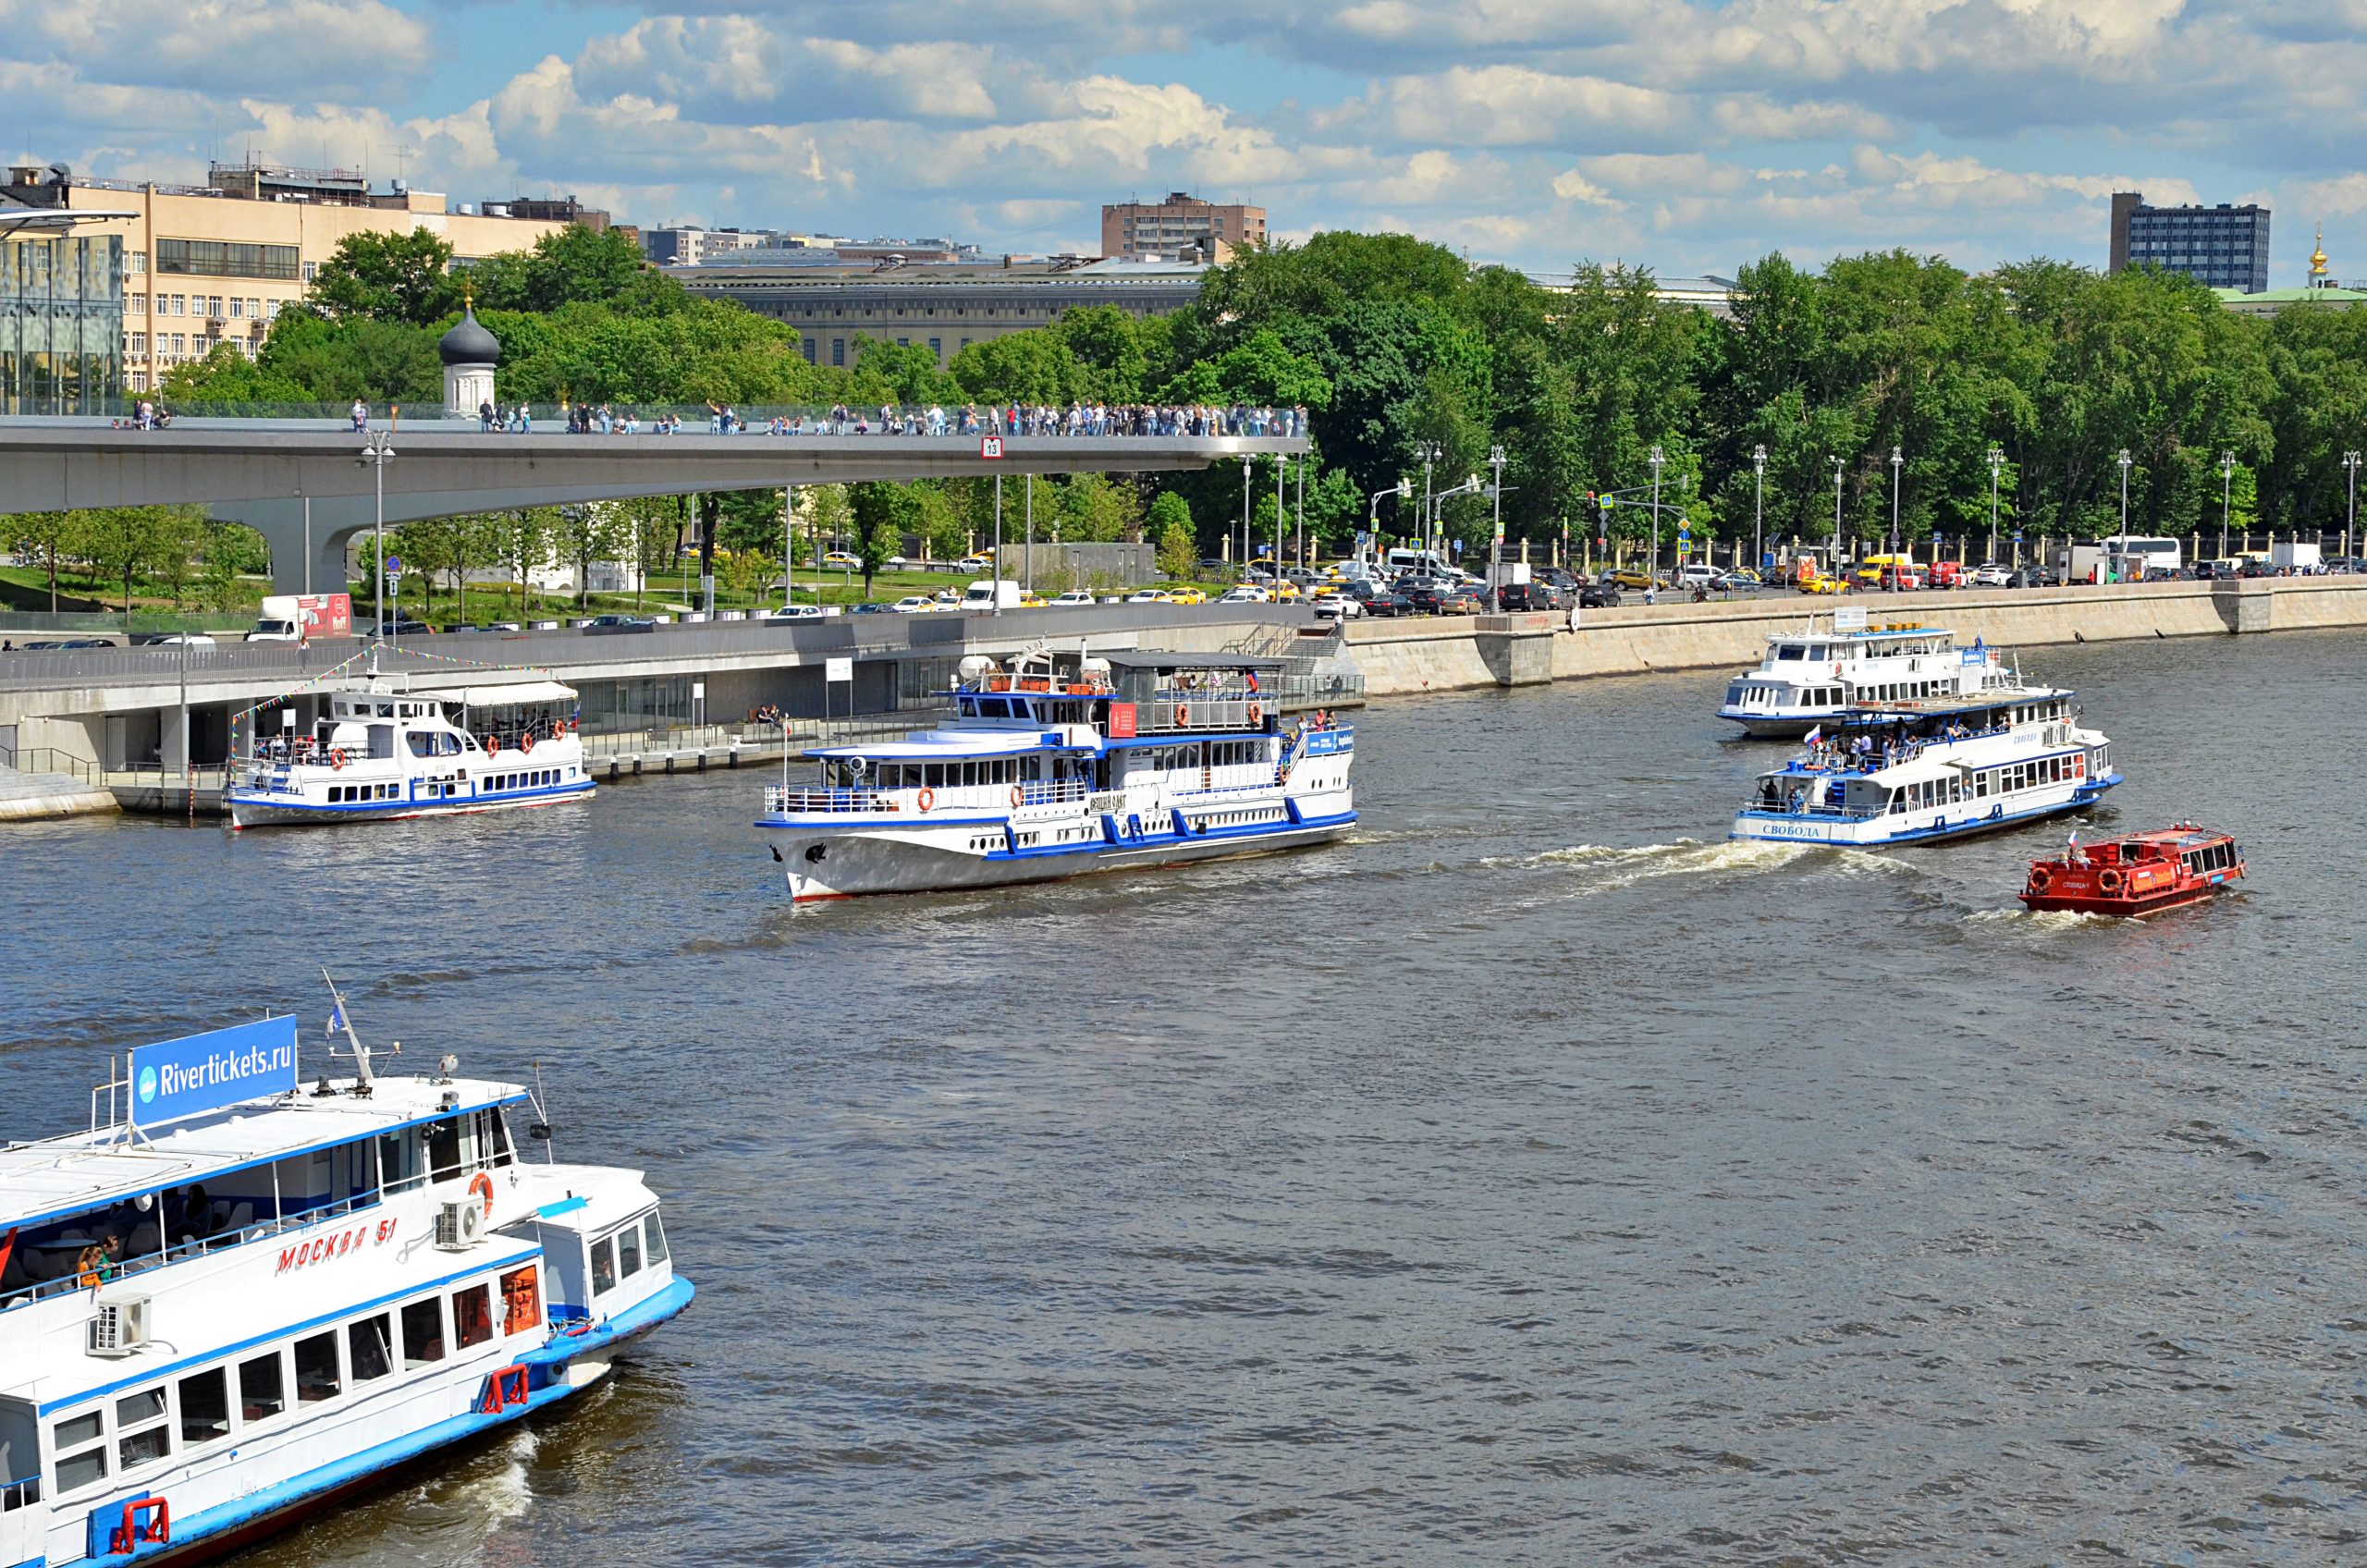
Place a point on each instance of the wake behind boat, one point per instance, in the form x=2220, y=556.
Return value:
x=248, y=1297
x=1814, y=675
x=380, y=751
x=1910, y=772
x=1067, y=764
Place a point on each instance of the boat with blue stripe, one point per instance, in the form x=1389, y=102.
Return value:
x=378, y=750
x=1067, y=763
x=240, y=1296
x=1922, y=770
x=1814, y=675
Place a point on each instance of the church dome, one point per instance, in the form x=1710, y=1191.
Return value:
x=468, y=343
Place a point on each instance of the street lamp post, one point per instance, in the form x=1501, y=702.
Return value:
x=1652, y=566
x=1281, y=463
x=1496, y=545
x=1431, y=453
x=2227, y=497
x=994, y=574
x=1027, y=488
x=1758, y=508
x=1837, y=464
x=378, y=451
x=1896, y=461
x=2120, y=550
x=2351, y=523
x=1996, y=463
x=788, y=551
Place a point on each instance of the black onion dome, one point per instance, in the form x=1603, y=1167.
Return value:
x=468, y=343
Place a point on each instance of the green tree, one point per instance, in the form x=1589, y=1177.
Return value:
x=520, y=539
x=402, y=276
x=49, y=536
x=118, y=542
x=575, y=266
x=585, y=532
x=1171, y=519
x=881, y=512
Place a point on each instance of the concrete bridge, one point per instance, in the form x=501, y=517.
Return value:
x=306, y=487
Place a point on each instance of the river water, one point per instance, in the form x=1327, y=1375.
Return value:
x=1537, y=1178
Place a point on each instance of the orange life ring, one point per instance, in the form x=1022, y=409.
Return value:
x=1183, y=715
x=2109, y=881
x=1018, y=796
x=1257, y=715
x=493, y=745
x=337, y=758
x=2042, y=877
x=482, y=1184
x=927, y=799
x=526, y=743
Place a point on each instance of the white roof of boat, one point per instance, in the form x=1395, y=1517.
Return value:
x=84, y=1170
x=936, y=745
x=510, y=695
x=1861, y=632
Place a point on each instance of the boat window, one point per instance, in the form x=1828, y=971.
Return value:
x=493, y=1138
x=656, y=1239
x=604, y=1265
x=143, y=1432
x=369, y=1346
x=262, y=1388
x=422, y=1333
x=205, y=1406
x=522, y=1300
x=629, y=1251
x=382, y=741
x=80, y=1446
x=316, y=1375
x=385, y=710
x=448, y=744
x=421, y=743
x=400, y=1161
x=473, y=1314
x=1789, y=650
x=444, y=1148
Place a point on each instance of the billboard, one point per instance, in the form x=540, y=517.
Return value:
x=190, y=1076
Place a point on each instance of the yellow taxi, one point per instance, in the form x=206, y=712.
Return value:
x=1032, y=601
x=1283, y=590
x=1186, y=597
x=1824, y=583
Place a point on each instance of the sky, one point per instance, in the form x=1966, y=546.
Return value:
x=1689, y=136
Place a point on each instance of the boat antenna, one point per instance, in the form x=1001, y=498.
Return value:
x=541, y=1130
x=341, y=1017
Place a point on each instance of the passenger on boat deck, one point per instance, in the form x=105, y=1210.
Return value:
x=89, y=1267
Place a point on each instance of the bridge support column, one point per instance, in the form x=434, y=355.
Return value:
x=335, y=521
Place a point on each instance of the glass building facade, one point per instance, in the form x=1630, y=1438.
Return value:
x=61, y=324
x=2225, y=247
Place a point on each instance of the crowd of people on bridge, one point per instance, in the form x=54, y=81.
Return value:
x=1078, y=419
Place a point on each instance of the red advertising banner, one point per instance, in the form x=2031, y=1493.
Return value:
x=1121, y=721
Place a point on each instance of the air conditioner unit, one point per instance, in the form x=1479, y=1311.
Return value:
x=119, y=1327
x=460, y=1225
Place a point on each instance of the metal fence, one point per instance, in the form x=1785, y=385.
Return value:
x=49, y=759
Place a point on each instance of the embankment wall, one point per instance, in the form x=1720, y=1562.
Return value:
x=1448, y=653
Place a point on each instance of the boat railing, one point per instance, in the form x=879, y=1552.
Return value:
x=785, y=799
x=1053, y=792
x=252, y=1230
x=1173, y=712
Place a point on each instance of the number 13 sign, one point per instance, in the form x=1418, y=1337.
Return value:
x=990, y=445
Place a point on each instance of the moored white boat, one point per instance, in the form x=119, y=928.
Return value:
x=1065, y=765
x=380, y=751
x=1911, y=772
x=1814, y=675
x=250, y=1296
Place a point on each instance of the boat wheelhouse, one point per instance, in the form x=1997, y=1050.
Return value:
x=249, y=1296
x=380, y=751
x=2135, y=873
x=1065, y=763
x=1931, y=768
x=1814, y=675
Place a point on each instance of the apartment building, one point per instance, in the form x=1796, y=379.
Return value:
x=1183, y=227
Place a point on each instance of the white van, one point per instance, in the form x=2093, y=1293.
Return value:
x=991, y=592
x=1425, y=563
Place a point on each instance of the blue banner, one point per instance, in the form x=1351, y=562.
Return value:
x=187, y=1077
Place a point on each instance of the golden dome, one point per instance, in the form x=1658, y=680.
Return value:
x=2318, y=256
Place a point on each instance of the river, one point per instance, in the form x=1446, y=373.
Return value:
x=1535, y=1179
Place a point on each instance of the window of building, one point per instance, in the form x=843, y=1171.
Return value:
x=263, y=1388
x=809, y=350
x=309, y=269
x=135, y=263
x=142, y=1429
x=837, y=350
x=180, y=304
x=205, y=1406
x=937, y=347
x=135, y=304
x=369, y=1347
x=422, y=1333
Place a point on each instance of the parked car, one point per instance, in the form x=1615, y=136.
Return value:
x=869, y=607
x=611, y=625
x=1990, y=574
x=410, y=629
x=275, y=631
x=795, y=612
x=1247, y=593
x=914, y=604
x=1150, y=597
x=972, y=565
x=1600, y=594
x=1074, y=596
x=840, y=560
x=2035, y=577
x=1186, y=597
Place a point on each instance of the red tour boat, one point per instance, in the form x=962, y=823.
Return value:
x=2136, y=873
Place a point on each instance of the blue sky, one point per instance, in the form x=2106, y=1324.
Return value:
x=1686, y=135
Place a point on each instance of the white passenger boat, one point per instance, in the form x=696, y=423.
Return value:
x=380, y=751
x=1930, y=768
x=1814, y=675
x=1063, y=765
x=251, y=1296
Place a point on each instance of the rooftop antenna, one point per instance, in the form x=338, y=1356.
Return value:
x=340, y=1017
